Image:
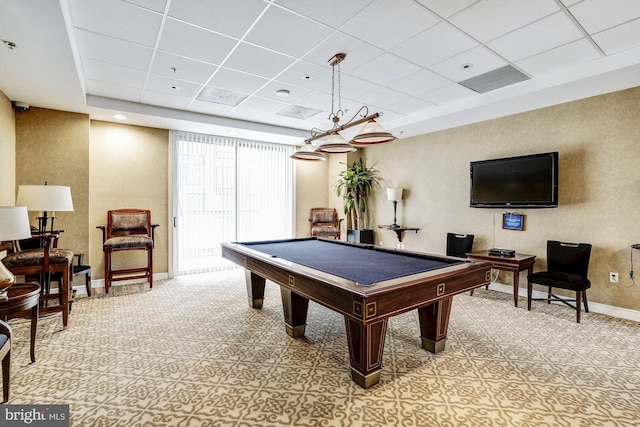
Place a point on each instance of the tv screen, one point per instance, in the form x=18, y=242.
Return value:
x=515, y=182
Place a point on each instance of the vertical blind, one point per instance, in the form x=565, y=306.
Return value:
x=226, y=190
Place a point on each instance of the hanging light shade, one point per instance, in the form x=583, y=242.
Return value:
x=372, y=133
x=307, y=152
x=335, y=143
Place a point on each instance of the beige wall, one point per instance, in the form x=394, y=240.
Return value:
x=598, y=141
x=53, y=146
x=129, y=169
x=7, y=152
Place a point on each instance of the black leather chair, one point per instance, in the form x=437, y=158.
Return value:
x=459, y=245
x=567, y=267
x=5, y=355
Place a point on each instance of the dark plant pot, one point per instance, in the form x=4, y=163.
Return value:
x=360, y=236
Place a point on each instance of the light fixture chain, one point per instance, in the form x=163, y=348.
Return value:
x=339, y=89
x=333, y=83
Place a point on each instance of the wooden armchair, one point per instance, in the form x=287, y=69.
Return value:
x=5, y=356
x=324, y=222
x=127, y=230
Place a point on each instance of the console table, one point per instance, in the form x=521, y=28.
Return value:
x=514, y=264
x=399, y=230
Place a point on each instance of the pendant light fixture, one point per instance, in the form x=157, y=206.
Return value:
x=332, y=142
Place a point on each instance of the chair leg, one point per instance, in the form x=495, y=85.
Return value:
x=549, y=296
x=87, y=282
x=578, y=305
x=471, y=292
x=150, y=266
x=584, y=300
x=529, y=293
x=107, y=270
x=6, y=371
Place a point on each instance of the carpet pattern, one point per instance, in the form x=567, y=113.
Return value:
x=191, y=352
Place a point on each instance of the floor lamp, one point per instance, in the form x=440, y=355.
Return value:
x=14, y=225
x=46, y=199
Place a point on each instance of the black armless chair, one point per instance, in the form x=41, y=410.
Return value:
x=567, y=266
x=459, y=245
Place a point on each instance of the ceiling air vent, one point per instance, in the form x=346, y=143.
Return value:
x=298, y=112
x=495, y=79
x=221, y=96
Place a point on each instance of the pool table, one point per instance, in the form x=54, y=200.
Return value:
x=365, y=283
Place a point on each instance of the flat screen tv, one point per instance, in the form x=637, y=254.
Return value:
x=516, y=182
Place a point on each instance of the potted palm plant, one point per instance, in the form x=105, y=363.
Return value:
x=354, y=185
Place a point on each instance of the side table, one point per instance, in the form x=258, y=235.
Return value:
x=514, y=264
x=23, y=301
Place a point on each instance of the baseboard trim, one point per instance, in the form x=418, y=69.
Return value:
x=82, y=290
x=594, y=307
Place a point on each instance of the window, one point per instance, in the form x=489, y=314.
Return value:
x=226, y=190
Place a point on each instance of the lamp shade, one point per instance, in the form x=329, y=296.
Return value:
x=372, y=133
x=14, y=223
x=335, y=143
x=394, y=194
x=45, y=198
x=307, y=152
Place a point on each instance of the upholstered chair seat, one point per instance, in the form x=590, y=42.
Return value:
x=324, y=222
x=35, y=257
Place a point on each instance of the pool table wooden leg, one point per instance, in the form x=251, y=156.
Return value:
x=366, y=344
x=434, y=322
x=295, y=309
x=255, y=289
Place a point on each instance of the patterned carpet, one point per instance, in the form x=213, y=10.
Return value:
x=191, y=352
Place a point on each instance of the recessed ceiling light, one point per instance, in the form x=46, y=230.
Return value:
x=119, y=117
x=282, y=93
x=466, y=66
x=307, y=77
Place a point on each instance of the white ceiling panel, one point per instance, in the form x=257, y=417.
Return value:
x=258, y=61
x=446, y=8
x=569, y=55
x=598, y=15
x=488, y=19
x=111, y=50
x=620, y=38
x=115, y=18
x=471, y=63
x=548, y=33
x=279, y=29
x=427, y=48
x=183, y=68
x=386, y=23
x=402, y=58
x=232, y=18
x=325, y=11
x=194, y=42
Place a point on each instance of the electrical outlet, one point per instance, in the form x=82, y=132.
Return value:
x=613, y=277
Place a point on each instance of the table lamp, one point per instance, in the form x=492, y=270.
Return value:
x=14, y=225
x=394, y=194
x=46, y=199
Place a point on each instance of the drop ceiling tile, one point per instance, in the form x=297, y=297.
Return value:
x=172, y=87
x=109, y=49
x=211, y=108
x=258, y=61
x=447, y=94
x=561, y=57
x=385, y=69
x=155, y=5
x=308, y=75
x=386, y=23
x=325, y=11
x=488, y=19
x=317, y=100
x=193, y=42
x=237, y=81
x=164, y=100
x=548, y=33
x=599, y=15
x=446, y=8
x=427, y=48
x=110, y=90
x=619, y=38
x=185, y=68
x=570, y=2
x=117, y=19
x=420, y=82
x=383, y=96
x=281, y=30
x=357, y=51
x=226, y=17
x=109, y=73
x=469, y=64
x=295, y=92
x=265, y=105
x=352, y=87
x=410, y=106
